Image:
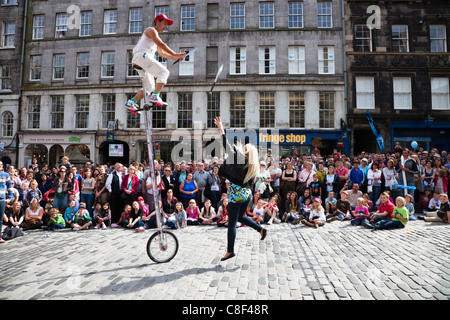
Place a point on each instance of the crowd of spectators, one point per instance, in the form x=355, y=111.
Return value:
x=374, y=190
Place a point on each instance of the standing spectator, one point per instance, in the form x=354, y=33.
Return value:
x=33, y=193
x=342, y=172
x=288, y=179
x=275, y=175
x=215, y=185
x=356, y=175
x=13, y=176
x=87, y=189
x=410, y=170
x=331, y=181
x=130, y=185
x=101, y=193
x=305, y=177
x=168, y=180
x=188, y=190
x=389, y=175
x=441, y=182
x=113, y=184
x=201, y=178
x=374, y=182
x=76, y=182
x=44, y=185
x=62, y=185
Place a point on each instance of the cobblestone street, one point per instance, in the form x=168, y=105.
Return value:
x=334, y=262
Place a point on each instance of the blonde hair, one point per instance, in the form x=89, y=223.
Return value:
x=360, y=200
x=251, y=153
x=402, y=201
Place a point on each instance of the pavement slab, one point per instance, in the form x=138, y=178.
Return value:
x=295, y=262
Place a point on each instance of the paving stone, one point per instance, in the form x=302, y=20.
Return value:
x=294, y=262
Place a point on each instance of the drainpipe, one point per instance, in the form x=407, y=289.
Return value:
x=22, y=58
x=344, y=55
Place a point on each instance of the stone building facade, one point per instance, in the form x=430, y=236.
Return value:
x=398, y=67
x=283, y=75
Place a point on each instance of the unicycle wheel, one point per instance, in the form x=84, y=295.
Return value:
x=162, y=246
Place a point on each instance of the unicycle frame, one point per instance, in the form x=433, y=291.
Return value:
x=148, y=121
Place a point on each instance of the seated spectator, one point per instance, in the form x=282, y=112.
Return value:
x=16, y=215
x=136, y=215
x=399, y=217
x=434, y=203
x=70, y=213
x=180, y=216
x=149, y=221
x=343, y=209
x=424, y=200
x=56, y=221
x=353, y=194
x=330, y=203
x=361, y=212
x=207, y=213
x=410, y=206
x=258, y=212
x=192, y=212
x=384, y=211
x=292, y=207
x=316, y=217
x=102, y=217
x=125, y=217
x=271, y=212
x=82, y=218
x=443, y=213
x=33, y=216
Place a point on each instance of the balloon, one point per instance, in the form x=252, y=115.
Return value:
x=414, y=144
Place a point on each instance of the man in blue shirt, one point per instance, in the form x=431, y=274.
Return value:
x=356, y=174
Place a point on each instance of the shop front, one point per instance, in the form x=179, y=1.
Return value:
x=294, y=142
x=428, y=134
x=50, y=147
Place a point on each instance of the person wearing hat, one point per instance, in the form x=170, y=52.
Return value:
x=147, y=66
x=316, y=216
x=356, y=175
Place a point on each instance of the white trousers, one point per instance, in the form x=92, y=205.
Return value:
x=151, y=69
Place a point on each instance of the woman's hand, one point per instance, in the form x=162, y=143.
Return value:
x=218, y=123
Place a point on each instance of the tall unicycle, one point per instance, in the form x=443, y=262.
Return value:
x=162, y=246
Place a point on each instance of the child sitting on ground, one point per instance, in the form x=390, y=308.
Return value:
x=441, y=215
x=410, y=206
x=258, y=212
x=316, y=216
x=82, y=219
x=330, y=203
x=400, y=217
x=56, y=221
x=361, y=212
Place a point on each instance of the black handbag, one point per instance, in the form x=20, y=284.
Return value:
x=11, y=233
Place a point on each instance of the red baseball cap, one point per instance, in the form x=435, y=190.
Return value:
x=163, y=17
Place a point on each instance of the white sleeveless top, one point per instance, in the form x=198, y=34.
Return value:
x=145, y=44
